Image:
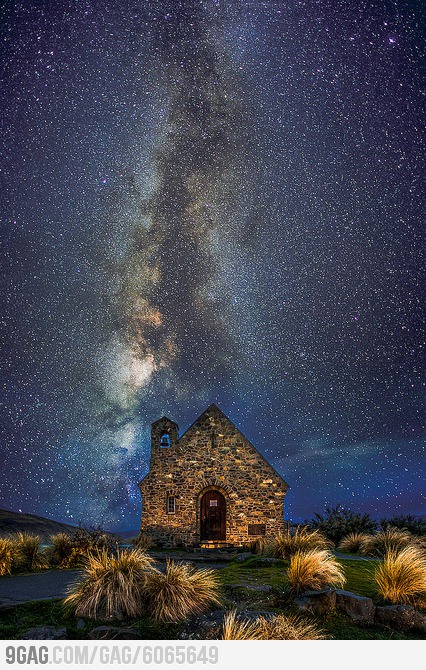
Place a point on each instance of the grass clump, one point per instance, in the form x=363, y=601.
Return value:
x=287, y=544
x=180, y=592
x=112, y=586
x=6, y=556
x=261, y=545
x=314, y=569
x=355, y=543
x=27, y=554
x=60, y=550
x=388, y=540
x=401, y=577
x=289, y=627
x=236, y=628
x=277, y=627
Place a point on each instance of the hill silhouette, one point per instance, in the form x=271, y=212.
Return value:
x=13, y=522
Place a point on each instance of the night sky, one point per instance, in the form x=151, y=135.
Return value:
x=212, y=201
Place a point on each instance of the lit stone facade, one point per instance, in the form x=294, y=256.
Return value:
x=210, y=486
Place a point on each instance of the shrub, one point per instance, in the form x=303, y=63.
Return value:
x=82, y=543
x=355, y=542
x=302, y=539
x=339, y=521
x=180, y=592
x=391, y=539
x=278, y=627
x=413, y=524
x=6, y=556
x=112, y=586
x=401, y=577
x=314, y=569
x=89, y=540
x=26, y=552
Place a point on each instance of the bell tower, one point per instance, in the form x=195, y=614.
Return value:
x=164, y=435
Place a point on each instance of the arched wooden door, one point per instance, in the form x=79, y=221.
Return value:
x=213, y=516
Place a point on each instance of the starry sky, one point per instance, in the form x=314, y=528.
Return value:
x=212, y=201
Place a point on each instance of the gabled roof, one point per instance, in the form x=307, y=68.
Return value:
x=213, y=409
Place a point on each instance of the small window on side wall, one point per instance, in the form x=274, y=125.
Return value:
x=165, y=440
x=171, y=505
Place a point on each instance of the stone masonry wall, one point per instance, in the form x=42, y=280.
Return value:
x=211, y=454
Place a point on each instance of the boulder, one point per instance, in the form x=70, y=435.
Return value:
x=317, y=602
x=114, y=633
x=401, y=617
x=45, y=633
x=357, y=608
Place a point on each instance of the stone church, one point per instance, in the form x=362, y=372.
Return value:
x=210, y=486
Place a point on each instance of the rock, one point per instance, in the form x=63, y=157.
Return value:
x=204, y=627
x=114, y=633
x=80, y=624
x=317, y=602
x=264, y=562
x=357, y=608
x=401, y=617
x=45, y=633
x=243, y=557
x=259, y=587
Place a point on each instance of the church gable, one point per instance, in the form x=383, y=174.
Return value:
x=227, y=439
x=210, y=484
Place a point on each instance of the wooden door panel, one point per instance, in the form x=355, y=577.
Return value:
x=213, y=516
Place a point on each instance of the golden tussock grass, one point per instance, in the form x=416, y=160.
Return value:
x=6, y=556
x=391, y=539
x=234, y=628
x=278, y=627
x=355, y=542
x=26, y=552
x=112, y=585
x=401, y=577
x=180, y=592
x=60, y=549
x=302, y=539
x=314, y=569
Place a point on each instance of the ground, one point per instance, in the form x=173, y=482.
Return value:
x=250, y=584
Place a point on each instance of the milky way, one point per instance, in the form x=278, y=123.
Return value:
x=209, y=201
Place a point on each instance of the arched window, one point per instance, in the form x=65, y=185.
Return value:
x=165, y=440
